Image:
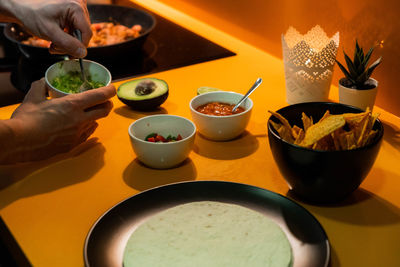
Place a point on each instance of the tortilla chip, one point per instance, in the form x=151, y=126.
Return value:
x=300, y=137
x=370, y=134
x=284, y=122
x=332, y=132
x=373, y=118
x=325, y=143
x=370, y=137
x=326, y=115
x=358, y=125
x=363, y=132
x=342, y=140
x=275, y=125
x=307, y=121
x=354, y=119
x=285, y=134
x=296, y=130
x=352, y=147
x=314, y=146
x=351, y=140
x=336, y=136
x=322, y=129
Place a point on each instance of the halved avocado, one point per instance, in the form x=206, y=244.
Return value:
x=143, y=94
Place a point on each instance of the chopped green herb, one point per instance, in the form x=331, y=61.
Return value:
x=71, y=82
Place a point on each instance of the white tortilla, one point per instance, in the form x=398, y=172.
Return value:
x=208, y=233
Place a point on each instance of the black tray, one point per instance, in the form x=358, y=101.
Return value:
x=106, y=240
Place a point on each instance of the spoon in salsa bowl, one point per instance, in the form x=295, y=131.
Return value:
x=251, y=90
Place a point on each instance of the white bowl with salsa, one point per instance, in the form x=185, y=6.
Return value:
x=212, y=114
x=162, y=141
x=64, y=77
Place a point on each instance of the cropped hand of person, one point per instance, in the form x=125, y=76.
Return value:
x=47, y=19
x=43, y=128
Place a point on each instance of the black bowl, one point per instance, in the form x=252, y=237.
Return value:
x=321, y=176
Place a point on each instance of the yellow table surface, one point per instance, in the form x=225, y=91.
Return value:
x=49, y=206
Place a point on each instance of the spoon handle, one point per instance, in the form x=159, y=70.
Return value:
x=78, y=35
x=251, y=90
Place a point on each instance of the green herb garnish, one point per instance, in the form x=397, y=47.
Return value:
x=71, y=82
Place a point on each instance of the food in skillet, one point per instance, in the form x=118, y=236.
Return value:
x=70, y=82
x=208, y=233
x=104, y=33
x=331, y=133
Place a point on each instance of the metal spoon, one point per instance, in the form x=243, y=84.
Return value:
x=85, y=85
x=254, y=87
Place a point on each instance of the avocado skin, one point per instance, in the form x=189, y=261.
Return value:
x=146, y=104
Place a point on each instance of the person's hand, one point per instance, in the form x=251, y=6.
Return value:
x=47, y=19
x=44, y=127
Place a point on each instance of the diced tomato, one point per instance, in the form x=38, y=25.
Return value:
x=159, y=138
x=154, y=137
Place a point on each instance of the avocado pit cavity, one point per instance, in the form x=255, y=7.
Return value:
x=145, y=87
x=143, y=94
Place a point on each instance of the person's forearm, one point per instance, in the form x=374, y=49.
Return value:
x=7, y=141
x=13, y=147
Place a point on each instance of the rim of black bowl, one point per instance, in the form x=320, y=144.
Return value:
x=358, y=110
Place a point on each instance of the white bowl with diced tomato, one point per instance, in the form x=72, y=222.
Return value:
x=162, y=141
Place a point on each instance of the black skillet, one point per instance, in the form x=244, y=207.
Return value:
x=98, y=13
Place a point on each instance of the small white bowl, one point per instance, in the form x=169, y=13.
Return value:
x=96, y=71
x=221, y=128
x=162, y=155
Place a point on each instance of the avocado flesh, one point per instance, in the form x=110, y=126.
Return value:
x=127, y=90
x=127, y=94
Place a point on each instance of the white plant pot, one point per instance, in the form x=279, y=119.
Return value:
x=358, y=98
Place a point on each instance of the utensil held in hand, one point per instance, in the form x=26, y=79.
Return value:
x=85, y=85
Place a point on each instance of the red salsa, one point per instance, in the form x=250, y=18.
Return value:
x=218, y=109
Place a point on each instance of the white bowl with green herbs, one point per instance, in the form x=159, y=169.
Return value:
x=64, y=77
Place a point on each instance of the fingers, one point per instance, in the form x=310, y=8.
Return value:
x=94, y=97
x=76, y=17
x=99, y=111
x=53, y=49
x=80, y=20
x=86, y=133
x=64, y=43
x=37, y=92
x=84, y=27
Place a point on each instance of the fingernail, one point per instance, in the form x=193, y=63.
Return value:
x=81, y=52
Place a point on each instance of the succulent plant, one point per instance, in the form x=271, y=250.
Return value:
x=357, y=73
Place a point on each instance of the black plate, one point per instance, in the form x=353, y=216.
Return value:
x=106, y=240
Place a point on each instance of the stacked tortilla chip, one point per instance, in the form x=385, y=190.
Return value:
x=332, y=132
